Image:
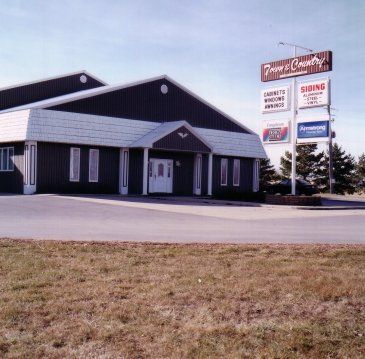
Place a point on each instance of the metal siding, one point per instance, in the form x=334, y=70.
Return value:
x=173, y=141
x=146, y=102
x=246, y=175
x=183, y=174
x=21, y=95
x=12, y=182
x=135, y=179
x=53, y=169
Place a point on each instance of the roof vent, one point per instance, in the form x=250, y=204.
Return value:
x=164, y=89
x=83, y=79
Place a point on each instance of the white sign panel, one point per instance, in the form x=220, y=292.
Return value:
x=275, y=99
x=313, y=94
x=275, y=131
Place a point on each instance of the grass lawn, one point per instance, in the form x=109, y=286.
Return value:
x=107, y=300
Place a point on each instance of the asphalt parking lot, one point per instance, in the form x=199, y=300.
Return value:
x=116, y=219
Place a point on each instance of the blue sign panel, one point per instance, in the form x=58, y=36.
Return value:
x=313, y=129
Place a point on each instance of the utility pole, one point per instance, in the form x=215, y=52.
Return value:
x=294, y=121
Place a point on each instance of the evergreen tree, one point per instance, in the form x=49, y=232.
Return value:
x=344, y=172
x=308, y=162
x=360, y=173
x=267, y=173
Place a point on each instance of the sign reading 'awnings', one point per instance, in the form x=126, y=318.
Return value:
x=275, y=99
x=297, y=66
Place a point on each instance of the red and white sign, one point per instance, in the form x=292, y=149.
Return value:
x=297, y=66
x=314, y=93
x=275, y=99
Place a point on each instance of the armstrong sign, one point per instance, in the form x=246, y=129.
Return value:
x=313, y=131
x=297, y=66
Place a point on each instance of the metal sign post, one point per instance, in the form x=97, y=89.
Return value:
x=294, y=132
x=330, y=152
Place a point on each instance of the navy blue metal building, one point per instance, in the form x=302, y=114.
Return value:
x=76, y=134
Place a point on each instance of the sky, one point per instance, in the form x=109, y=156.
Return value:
x=214, y=48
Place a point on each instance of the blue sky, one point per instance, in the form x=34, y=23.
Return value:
x=214, y=48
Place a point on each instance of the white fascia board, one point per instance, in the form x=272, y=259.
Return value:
x=53, y=78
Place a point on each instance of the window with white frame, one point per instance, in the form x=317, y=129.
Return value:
x=236, y=172
x=224, y=171
x=256, y=175
x=93, y=165
x=74, y=164
x=6, y=159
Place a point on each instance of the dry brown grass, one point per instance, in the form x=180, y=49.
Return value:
x=100, y=300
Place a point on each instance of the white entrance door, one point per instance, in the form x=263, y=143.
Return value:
x=160, y=175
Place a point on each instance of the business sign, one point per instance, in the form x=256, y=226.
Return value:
x=275, y=99
x=313, y=131
x=297, y=66
x=275, y=131
x=314, y=93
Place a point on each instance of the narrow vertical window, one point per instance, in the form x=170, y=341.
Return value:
x=32, y=165
x=198, y=171
x=125, y=168
x=26, y=157
x=93, y=165
x=224, y=171
x=7, y=159
x=236, y=172
x=11, y=159
x=74, y=164
x=256, y=175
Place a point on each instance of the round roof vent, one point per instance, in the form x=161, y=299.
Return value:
x=164, y=89
x=83, y=79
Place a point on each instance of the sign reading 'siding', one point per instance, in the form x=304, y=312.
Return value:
x=275, y=99
x=297, y=66
x=275, y=131
x=314, y=93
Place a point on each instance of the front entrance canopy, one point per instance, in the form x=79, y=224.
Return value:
x=178, y=136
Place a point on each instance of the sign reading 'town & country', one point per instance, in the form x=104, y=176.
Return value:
x=275, y=99
x=297, y=66
x=314, y=93
x=275, y=131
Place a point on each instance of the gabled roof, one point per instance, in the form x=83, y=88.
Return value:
x=25, y=94
x=53, y=78
x=110, y=88
x=163, y=130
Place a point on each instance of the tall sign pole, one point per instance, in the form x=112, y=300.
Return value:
x=330, y=152
x=294, y=131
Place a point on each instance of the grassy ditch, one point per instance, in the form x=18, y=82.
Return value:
x=180, y=301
